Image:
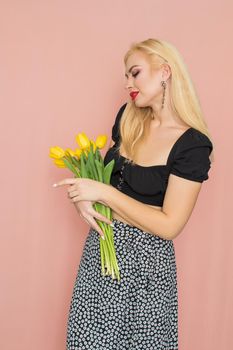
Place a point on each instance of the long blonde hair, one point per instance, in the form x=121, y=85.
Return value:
x=184, y=100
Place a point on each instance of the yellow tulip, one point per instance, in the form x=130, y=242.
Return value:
x=94, y=145
x=101, y=141
x=69, y=152
x=59, y=163
x=78, y=152
x=56, y=152
x=83, y=141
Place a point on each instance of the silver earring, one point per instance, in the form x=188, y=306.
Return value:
x=164, y=85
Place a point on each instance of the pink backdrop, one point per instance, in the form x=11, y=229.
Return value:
x=62, y=72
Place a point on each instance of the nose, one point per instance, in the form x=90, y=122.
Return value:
x=128, y=84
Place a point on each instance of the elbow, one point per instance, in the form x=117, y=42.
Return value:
x=172, y=229
x=175, y=231
x=168, y=234
x=169, y=229
x=173, y=235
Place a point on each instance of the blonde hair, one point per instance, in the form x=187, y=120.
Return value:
x=183, y=98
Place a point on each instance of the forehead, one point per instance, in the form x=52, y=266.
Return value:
x=136, y=58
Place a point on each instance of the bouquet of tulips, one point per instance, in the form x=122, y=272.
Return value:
x=87, y=162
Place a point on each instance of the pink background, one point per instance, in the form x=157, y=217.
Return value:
x=62, y=72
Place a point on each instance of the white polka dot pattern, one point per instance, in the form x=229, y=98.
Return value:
x=140, y=311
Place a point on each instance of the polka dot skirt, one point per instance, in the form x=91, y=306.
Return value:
x=141, y=311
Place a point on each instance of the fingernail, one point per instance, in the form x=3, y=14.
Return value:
x=54, y=185
x=102, y=237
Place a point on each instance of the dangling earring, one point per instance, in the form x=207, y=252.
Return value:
x=164, y=85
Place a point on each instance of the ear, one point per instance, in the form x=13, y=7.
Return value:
x=166, y=71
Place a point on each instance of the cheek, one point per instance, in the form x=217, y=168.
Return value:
x=147, y=85
x=154, y=88
x=149, y=90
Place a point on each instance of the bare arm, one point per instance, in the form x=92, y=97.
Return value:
x=180, y=198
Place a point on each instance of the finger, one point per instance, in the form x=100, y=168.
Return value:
x=71, y=188
x=101, y=217
x=69, y=181
x=72, y=194
x=75, y=199
x=95, y=226
x=85, y=219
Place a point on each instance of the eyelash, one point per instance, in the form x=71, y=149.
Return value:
x=135, y=74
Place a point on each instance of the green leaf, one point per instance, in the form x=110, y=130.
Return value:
x=83, y=166
x=76, y=162
x=98, y=155
x=108, y=171
x=92, y=165
x=99, y=170
x=89, y=171
x=71, y=167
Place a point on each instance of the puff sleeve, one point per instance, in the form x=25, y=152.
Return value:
x=115, y=128
x=191, y=160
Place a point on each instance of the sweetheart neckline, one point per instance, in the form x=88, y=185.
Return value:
x=168, y=158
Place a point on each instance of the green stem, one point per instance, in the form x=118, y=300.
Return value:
x=111, y=248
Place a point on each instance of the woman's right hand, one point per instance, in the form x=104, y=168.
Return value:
x=88, y=213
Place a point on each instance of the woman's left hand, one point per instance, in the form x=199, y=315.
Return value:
x=82, y=189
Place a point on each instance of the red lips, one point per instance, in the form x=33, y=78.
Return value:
x=133, y=94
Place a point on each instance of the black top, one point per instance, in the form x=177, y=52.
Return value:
x=188, y=158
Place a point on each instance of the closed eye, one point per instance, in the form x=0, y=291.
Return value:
x=135, y=74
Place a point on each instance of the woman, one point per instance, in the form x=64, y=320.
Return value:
x=161, y=146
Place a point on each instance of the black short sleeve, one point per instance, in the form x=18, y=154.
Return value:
x=191, y=160
x=115, y=128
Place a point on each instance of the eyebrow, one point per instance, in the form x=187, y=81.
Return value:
x=136, y=65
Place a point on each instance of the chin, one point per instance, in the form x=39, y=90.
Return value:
x=137, y=102
x=140, y=104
